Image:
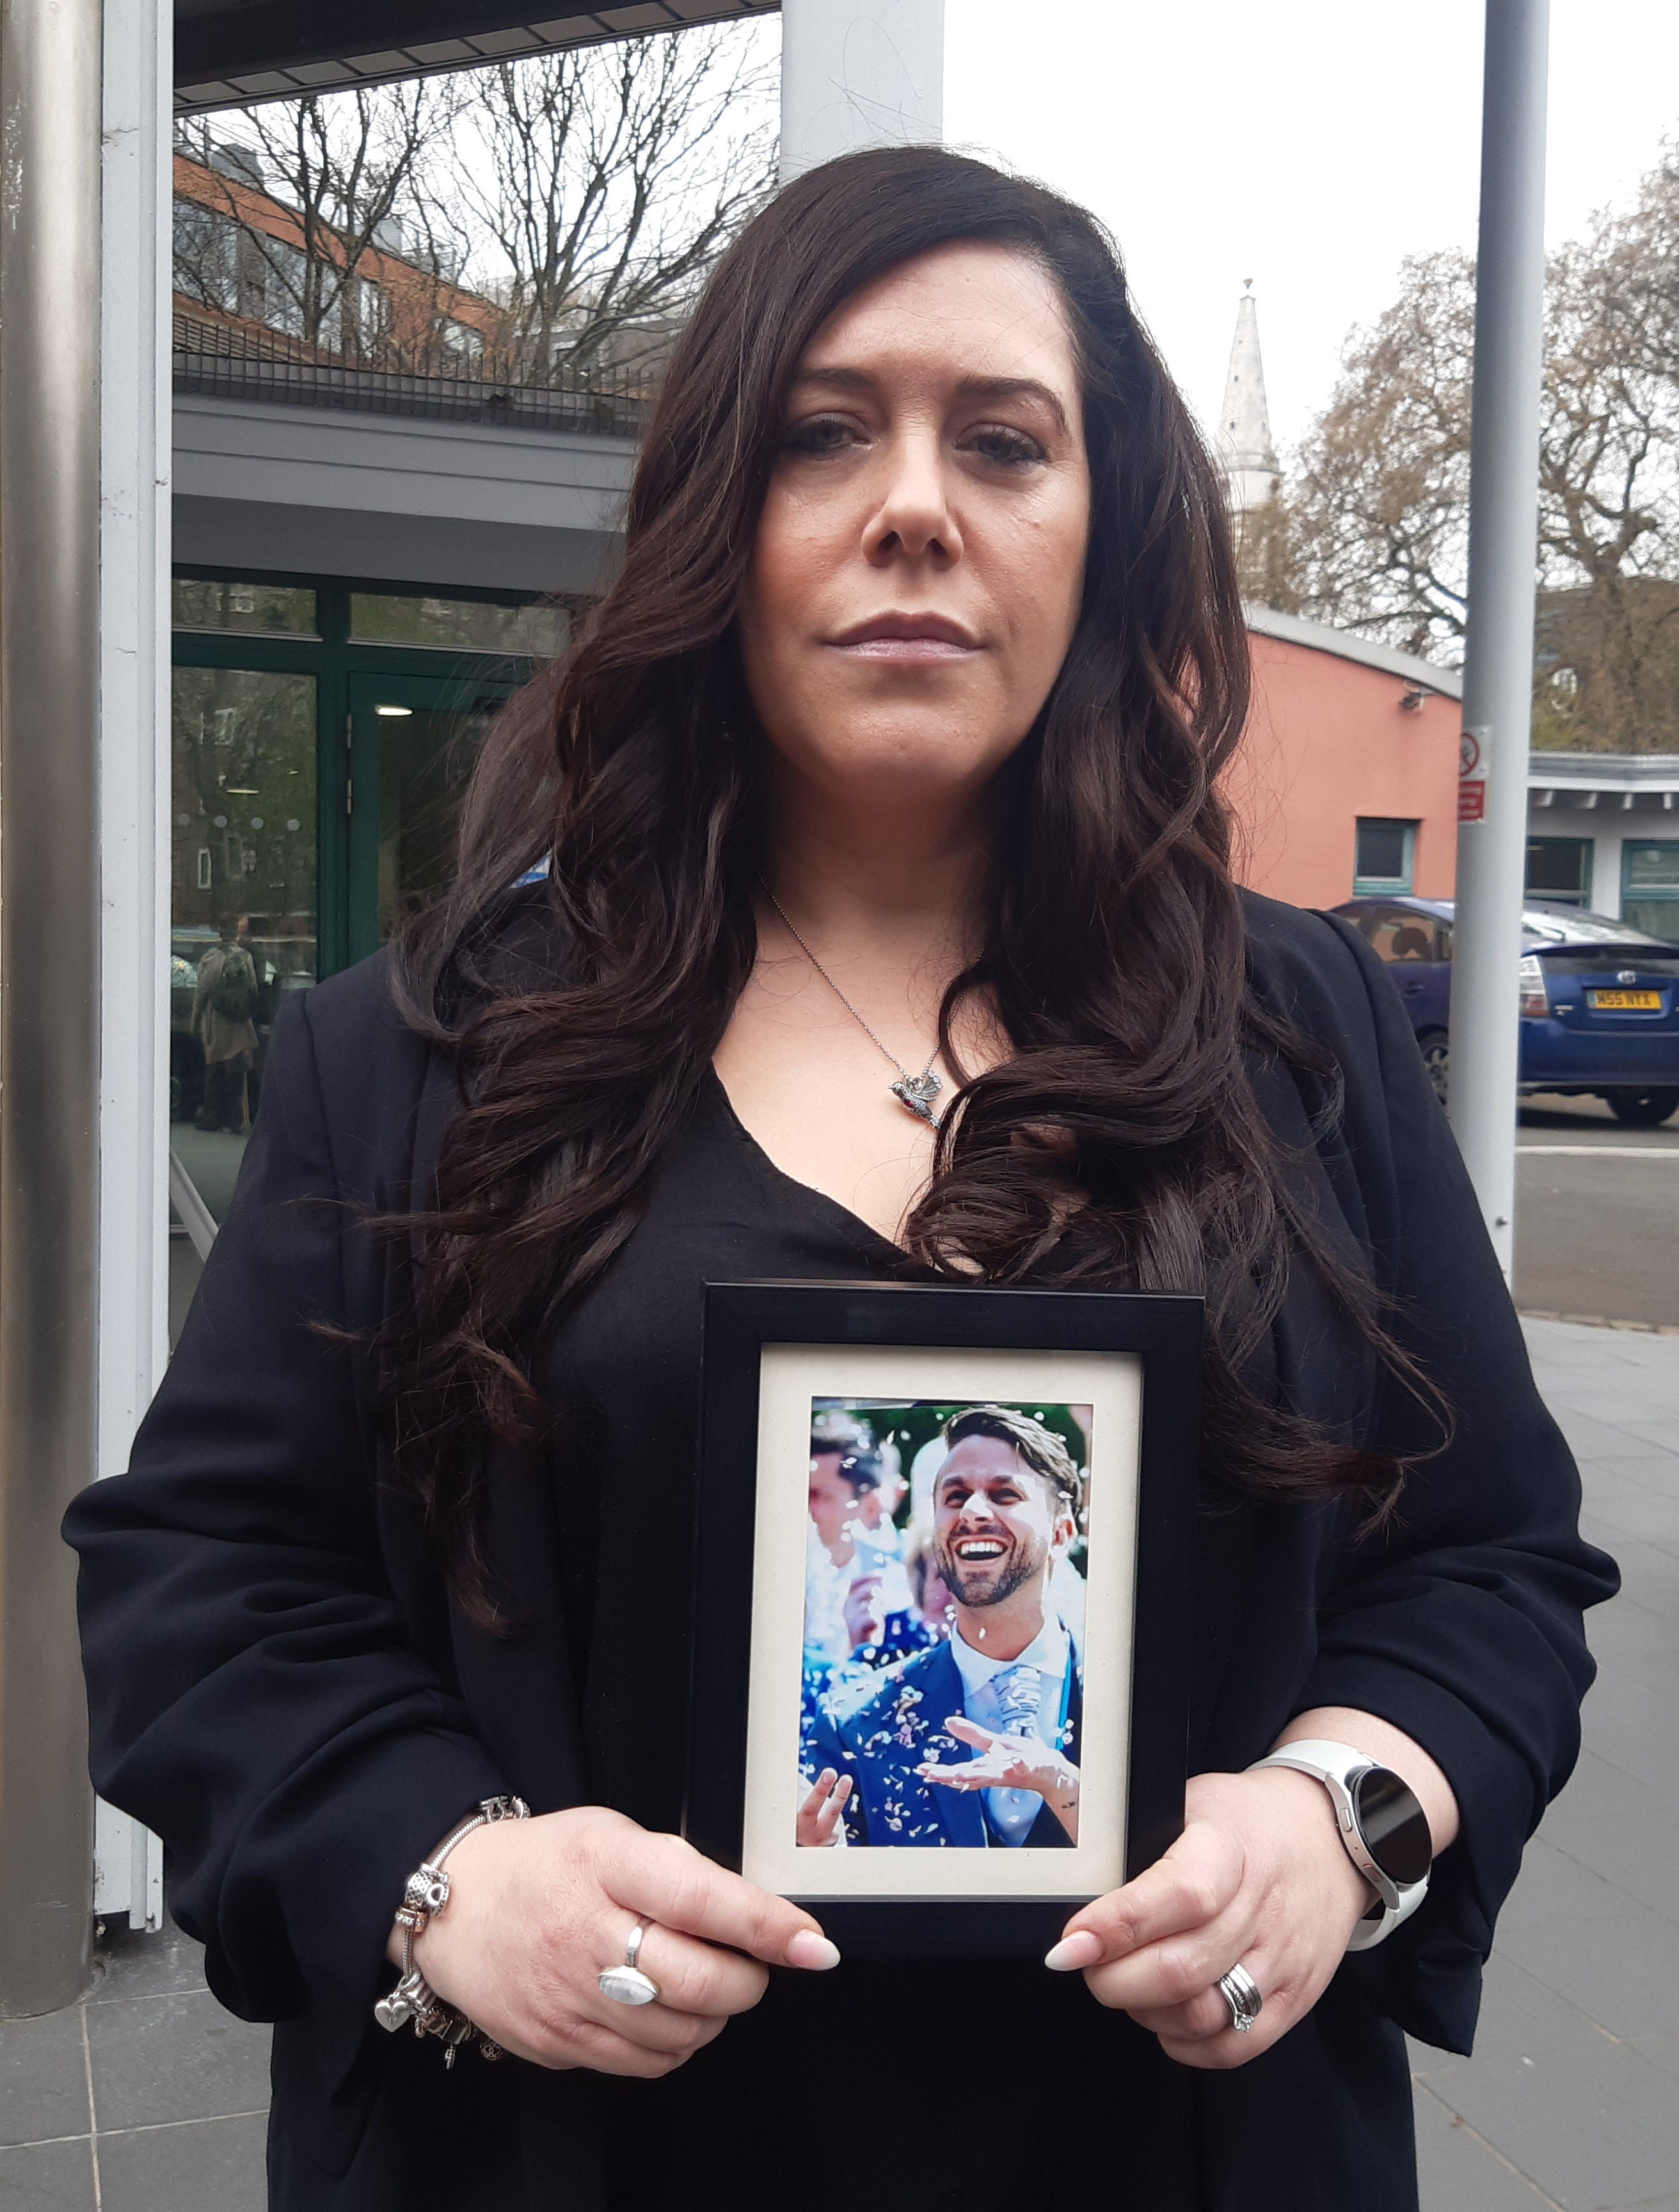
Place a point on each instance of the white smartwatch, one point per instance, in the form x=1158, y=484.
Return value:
x=1381, y=1822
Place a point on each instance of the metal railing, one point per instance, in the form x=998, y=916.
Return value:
x=231, y=360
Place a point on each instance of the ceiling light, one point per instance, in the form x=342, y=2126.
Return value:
x=393, y=710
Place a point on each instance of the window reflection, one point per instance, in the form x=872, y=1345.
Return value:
x=426, y=756
x=243, y=921
x=541, y=627
x=261, y=610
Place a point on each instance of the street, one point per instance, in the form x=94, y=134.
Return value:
x=1596, y=1215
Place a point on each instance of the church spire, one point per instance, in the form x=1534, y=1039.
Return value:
x=1244, y=439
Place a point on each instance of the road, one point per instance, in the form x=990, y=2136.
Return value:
x=1597, y=1214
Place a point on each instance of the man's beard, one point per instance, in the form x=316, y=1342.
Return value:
x=1011, y=1574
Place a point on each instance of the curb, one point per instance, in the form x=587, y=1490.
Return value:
x=1599, y=1320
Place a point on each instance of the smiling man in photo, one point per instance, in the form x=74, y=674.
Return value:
x=973, y=1744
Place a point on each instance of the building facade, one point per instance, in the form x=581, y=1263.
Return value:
x=1603, y=832
x=1346, y=780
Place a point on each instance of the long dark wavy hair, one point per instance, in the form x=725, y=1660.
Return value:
x=1120, y=1144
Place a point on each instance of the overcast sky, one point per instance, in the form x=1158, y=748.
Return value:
x=1309, y=144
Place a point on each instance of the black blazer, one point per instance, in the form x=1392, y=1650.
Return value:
x=279, y=1687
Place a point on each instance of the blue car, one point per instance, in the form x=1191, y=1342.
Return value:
x=1600, y=1001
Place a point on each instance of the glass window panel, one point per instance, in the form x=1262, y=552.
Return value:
x=284, y=610
x=1560, y=868
x=1653, y=867
x=243, y=883
x=1396, y=935
x=425, y=757
x=539, y=627
x=1656, y=917
x=1383, y=851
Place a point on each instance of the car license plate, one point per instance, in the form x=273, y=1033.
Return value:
x=1626, y=1002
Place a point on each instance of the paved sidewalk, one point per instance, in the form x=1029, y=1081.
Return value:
x=149, y=2097
x=145, y=2098
x=1572, y=2098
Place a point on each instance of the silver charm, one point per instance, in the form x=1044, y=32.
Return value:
x=410, y=2000
x=425, y=1894
x=918, y=1092
x=914, y=1092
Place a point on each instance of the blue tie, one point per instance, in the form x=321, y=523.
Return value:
x=1011, y=1703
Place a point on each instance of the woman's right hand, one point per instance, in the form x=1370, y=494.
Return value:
x=538, y=1909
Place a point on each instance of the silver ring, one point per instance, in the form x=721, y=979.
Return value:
x=627, y=1984
x=1242, y=1994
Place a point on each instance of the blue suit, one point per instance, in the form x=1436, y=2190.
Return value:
x=881, y=1744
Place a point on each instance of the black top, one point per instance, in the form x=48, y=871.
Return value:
x=278, y=1686
x=626, y=1367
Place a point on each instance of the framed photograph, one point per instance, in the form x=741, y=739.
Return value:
x=941, y=1661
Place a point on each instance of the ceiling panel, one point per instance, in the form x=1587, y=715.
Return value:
x=231, y=53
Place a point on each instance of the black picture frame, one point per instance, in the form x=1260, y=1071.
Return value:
x=1163, y=1332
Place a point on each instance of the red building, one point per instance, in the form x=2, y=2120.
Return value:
x=1346, y=781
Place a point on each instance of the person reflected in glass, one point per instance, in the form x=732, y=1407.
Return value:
x=224, y=1007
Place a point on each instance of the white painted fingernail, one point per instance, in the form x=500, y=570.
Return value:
x=1074, y=1952
x=814, y=1952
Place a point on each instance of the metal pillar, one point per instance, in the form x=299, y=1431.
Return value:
x=49, y=112
x=1498, y=669
x=859, y=73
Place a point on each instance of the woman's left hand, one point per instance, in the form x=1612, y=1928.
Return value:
x=1259, y=1877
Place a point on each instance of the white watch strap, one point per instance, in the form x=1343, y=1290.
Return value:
x=1337, y=1766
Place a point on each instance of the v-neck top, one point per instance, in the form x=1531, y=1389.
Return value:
x=804, y=2094
x=624, y=1374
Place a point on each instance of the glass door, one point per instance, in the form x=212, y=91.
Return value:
x=243, y=897
x=412, y=740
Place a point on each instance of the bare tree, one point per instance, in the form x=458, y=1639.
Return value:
x=288, y=215
x=1607, y=675
x=1267, y=564
x=1377, y=505
x=537, y=220
x=1373, y=528
x=606, y=183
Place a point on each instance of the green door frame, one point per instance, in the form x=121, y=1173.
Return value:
x=344, y=792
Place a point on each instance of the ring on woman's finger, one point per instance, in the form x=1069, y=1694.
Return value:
x=627, y=1984
x=1242, y=1994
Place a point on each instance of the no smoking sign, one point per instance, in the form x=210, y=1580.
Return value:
x=1471, y=777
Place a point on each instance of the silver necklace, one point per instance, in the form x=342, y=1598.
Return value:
x=916, y=1092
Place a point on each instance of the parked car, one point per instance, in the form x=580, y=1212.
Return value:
x=1599, y=1001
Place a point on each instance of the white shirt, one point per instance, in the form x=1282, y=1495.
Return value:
x=1013, y=1812
x=1048, y=1652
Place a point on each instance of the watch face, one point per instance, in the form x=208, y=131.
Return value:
x=1393, y=1824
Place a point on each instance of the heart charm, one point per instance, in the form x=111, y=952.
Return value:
x=918, y=1092
x=392, y=2011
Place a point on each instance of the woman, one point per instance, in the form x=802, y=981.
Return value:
x=871, y=913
